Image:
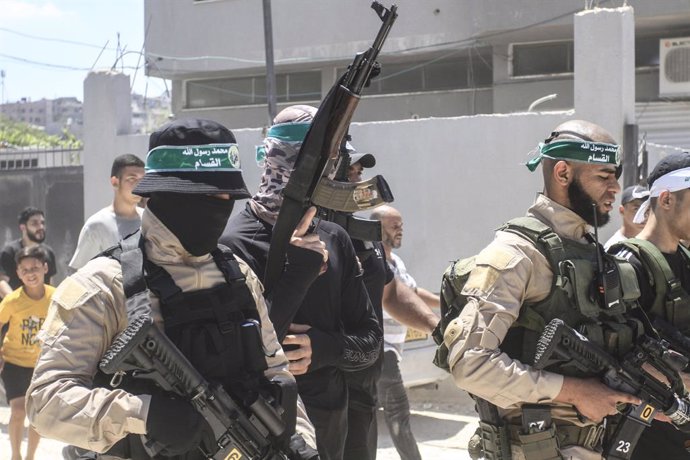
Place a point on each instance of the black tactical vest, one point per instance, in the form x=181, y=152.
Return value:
x=206, y=325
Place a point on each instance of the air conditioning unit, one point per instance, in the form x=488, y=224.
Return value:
x=674, y=67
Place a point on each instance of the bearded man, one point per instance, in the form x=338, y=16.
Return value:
x=520, y=283
x=32, y=224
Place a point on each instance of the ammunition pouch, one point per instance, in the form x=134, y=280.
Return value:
x=546, y=445
x=495, y=441
x=542, y=445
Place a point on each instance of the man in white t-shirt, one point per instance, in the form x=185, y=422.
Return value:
x=114, y=222
x=631, y=200
x=391, y=390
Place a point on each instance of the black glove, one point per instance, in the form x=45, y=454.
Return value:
x=173, y=423
x=300, y=450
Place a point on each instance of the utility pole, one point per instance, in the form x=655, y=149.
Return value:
x=270, y=71
x=2, y=84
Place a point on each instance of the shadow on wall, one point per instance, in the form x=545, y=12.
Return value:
x=59, y=193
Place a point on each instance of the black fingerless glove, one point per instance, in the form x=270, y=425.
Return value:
x=173, y=423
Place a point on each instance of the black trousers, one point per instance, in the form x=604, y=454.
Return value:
x=362, y=434
x=331, y=430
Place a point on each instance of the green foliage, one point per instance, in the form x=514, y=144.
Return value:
x=19, y=134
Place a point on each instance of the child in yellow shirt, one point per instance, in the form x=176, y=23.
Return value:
x=25, y=310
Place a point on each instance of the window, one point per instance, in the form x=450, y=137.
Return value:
x=453, y=72
x=542, y=58
x=291, y=87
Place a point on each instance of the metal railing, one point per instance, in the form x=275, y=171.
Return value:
x=38, y=157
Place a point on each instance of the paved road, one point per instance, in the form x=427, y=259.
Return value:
x=443, y=420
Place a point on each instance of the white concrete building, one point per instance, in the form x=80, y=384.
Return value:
x=443, y=57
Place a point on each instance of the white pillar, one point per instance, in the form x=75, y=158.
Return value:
x=107, y=114
x=605, y=67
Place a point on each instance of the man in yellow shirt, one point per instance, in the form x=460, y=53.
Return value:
x=25, y=310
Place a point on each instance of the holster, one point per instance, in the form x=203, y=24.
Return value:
x=495, y=439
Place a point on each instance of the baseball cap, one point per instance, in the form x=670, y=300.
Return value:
x=634, y=192
x=367, y=160
x=669, y=163
x=193, y=156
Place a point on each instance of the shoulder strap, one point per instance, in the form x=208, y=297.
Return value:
x=550, y=245
x=541, y=235
x=659, y=271
x=227, y=264
x=131, y=257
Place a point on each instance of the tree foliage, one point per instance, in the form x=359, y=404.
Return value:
x=20, y=134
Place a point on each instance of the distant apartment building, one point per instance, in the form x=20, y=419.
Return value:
x=442, y=58
x=54, y=115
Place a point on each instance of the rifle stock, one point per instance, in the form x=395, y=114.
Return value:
x=321, y=144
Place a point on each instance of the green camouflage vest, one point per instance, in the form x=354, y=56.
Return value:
x=572, y=297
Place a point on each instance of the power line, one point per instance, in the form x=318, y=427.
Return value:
x=53, y=66
x=50, y=39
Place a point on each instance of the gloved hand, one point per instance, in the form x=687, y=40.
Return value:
x=173, y=423
x=300, y=450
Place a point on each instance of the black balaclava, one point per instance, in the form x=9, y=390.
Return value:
x=196, y=220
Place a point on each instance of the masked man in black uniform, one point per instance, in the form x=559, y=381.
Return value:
x=326, y=315
x=197, y=292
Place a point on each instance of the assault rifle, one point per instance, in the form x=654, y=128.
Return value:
x=319, y=152
x=240, y=432
x=559, y=343
x=337, y=199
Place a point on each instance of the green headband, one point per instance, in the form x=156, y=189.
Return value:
x=286, y=132
x=209, y=157
x=582, y=151
x=289, y=132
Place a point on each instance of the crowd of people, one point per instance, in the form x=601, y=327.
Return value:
x=313, y=358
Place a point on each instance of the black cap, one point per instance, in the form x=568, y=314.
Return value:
x=634, y=192
x=162, y=176
x=367, y=160
x=669, y=163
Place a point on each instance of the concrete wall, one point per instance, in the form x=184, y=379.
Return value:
x=107, y=128
x=454, y=179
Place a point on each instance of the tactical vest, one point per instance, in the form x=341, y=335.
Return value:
x=574, y=297
x=204, y=324
x=671, y=302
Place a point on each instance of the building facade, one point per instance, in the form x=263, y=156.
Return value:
x=442, y=58
x=54, y=115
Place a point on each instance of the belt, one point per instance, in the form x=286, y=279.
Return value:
x=590, y=437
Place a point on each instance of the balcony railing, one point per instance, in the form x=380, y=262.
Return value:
x=33, y=158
